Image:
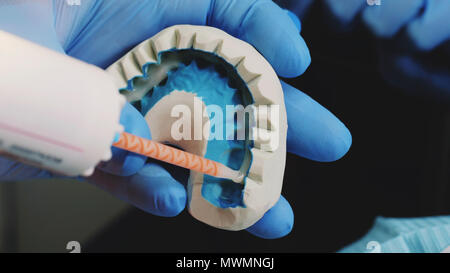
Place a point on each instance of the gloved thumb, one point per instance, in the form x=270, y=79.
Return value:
x=125, y=163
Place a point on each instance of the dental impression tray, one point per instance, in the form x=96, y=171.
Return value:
x=204, y=67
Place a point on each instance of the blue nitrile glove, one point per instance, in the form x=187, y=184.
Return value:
x=99, y=32
x=415, y=28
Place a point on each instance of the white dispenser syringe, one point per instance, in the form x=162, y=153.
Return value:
x=56, y=112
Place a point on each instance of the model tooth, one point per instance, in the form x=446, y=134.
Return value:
x=118, y=75
x=164, y=40
x=185, y=37
x=130, y=67
x=144, y=54
x=248, y=69
x=265, y=132
x=265, y=90
x=260, y=162
x=252, y=194
x=218, y=47
x=265, y=140
x=252, y=191
x=231, y=52
x=204, y=211
x=206, y=42
x=267, y=116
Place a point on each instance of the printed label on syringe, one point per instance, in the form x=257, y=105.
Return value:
x=33, y=154
x=29, y=156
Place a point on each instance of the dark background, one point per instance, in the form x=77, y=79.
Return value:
x=398, y=165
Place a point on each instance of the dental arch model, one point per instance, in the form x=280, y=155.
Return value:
x=187, y=65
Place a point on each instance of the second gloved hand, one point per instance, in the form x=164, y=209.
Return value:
x=415, y=40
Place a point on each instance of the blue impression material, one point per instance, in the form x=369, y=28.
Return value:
x=212, y=88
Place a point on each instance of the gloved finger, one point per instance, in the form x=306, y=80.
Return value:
x=31, y=20
x=100, y=32
x=345, y=11
x=313, y=131
x=151, y=189
x=266, y=26
x=276, y=222
x=90, y=32
x=428, y=31
x=11, y=170
x=388, y=18
x=126, y=163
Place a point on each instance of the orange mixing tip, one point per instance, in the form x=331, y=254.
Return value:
x=176, y=157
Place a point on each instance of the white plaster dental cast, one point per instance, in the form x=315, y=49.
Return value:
x=189, y=65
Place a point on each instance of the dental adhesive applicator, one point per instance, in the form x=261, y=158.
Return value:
x=174, y=156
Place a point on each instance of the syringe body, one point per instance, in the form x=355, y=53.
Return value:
x=56, y=112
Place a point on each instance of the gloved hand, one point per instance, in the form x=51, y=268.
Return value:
x=99, y=32
x=411, y=32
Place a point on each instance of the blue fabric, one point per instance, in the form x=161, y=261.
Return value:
x=405, y=235
x=99, y=32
